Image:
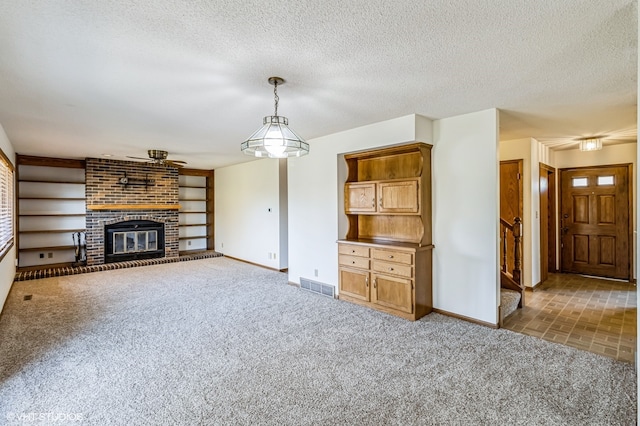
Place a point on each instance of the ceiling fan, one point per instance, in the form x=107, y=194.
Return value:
x=158, y=156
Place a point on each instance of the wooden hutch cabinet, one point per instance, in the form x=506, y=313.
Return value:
x=385, y=260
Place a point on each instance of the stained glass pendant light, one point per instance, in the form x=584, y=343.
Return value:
x=275, y=139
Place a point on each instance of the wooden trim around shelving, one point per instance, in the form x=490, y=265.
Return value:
x=52, y=199
x=195, y=237
x=67, y=182
x=211, y=208
x=194, y=172
x=52, y=248
x=133, y=207
x=30, y=160
x=52, y=231
x=53, y=214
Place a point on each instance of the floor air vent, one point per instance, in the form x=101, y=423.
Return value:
x=316, y=287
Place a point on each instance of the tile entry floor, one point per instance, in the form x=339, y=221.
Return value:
x=592, y=314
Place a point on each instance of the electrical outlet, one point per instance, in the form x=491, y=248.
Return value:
x=49, y=255
x=315, y=272
x=189, y=242
x=274, y=255
x=221, y=245
x=41, y=255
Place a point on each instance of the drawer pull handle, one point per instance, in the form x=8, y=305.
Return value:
x=373, y=202
x=375, y=283
x=353, y=261
x=391, y=269
x=353, y=251
x=366, y=281
x=390, y=256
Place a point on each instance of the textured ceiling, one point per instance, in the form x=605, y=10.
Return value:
x=86, y=78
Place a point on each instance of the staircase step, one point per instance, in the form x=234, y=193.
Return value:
x=509, y=300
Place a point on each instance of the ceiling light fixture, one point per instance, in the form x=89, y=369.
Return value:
x=590, y=144
x=275, y=139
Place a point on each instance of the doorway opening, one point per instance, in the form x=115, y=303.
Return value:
x=548, y=234
x=596, y=211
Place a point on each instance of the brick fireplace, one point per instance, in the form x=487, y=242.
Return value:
x=121, y=191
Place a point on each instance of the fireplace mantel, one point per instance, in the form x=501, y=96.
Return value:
x=101, y=207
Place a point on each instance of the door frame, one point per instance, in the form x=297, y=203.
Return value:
x=520, y=163
x=552, y=230
x=629, y=167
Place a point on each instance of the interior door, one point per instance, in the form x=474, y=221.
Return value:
x=510, y=199
x=595, y=214
x=547, y=222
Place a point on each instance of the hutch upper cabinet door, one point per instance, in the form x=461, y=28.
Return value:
x=360, y=197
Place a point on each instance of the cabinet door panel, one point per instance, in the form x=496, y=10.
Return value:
x=360, y=197
x=392, y=292
x=399, y=197
x=354, y=283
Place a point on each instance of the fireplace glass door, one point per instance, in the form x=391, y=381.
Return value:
x=135, y=242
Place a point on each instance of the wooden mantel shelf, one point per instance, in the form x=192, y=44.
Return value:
x=133, y=207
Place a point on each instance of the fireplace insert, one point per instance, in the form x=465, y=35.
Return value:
x=133, y=240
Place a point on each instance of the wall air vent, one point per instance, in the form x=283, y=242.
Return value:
x=316, y=287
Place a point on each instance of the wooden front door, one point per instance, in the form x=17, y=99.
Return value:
x=595, y=227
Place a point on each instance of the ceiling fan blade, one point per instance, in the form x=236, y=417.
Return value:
x=174, y=163
x=138, y=158
x=178, y=161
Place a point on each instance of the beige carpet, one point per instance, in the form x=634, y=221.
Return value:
x=217, y=341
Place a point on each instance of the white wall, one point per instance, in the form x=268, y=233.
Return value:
x=314, y=208
x=611, y=154
x=465, y=199
x=466, y=215
x=7, y=266
x=245, y=228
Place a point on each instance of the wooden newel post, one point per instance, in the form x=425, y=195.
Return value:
x=504, y=249
x=517, y=230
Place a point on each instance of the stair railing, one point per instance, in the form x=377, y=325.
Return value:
x=514, y=229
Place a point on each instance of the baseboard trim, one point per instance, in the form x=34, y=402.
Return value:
x=465, y=318
x=257, y=264
x=533, y=288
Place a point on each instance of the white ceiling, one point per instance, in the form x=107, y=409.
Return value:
x=85, y=78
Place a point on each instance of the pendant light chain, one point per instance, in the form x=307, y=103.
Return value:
x=275, y=95
x=275, y=139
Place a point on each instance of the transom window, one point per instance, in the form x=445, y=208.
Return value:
x=577, y=182
x=605, y=180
